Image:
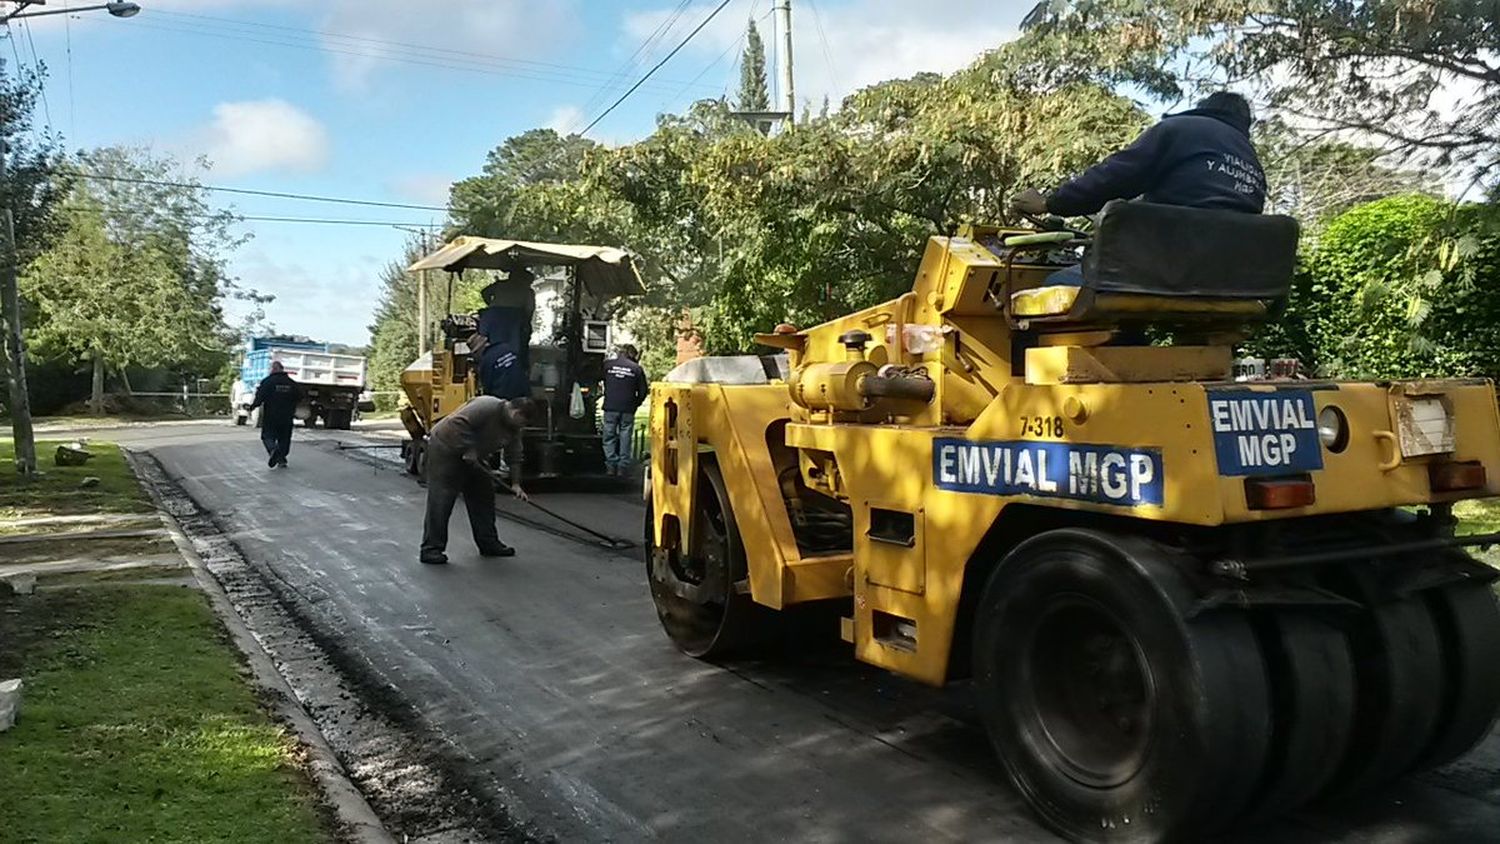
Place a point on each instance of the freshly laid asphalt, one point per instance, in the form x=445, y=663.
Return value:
x=549, y=671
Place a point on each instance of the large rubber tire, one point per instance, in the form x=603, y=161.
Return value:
x=239, y=420
x=1117, y=718
x=414, y=456
x=1468, y=622
x=339, y=420
x=1312, y=698
x=718, y=619
x=1398, y=670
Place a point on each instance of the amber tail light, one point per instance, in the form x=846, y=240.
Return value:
x=1453, y=476
x=1279, y=493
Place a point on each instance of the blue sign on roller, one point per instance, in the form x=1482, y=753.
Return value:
x=1103, y=474
x=1265, y=433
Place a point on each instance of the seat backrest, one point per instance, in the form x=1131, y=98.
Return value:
x=1169, y=250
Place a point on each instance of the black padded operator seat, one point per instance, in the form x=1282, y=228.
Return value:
x=1164, y=263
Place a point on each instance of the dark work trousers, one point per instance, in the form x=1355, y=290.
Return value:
x=448, y=477
x=277, y=438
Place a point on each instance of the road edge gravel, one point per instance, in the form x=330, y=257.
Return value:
x=355, y=737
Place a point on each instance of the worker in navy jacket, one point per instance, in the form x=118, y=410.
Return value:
x=1201, y=158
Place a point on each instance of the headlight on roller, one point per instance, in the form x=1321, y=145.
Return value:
x=1333, y=429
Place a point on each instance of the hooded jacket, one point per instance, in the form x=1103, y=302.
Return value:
x=1201, y=158
x=279, y=394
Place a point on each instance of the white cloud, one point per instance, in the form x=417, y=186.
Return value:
x=505, y=36
x=254, y=136
x=867, y=41
x=423, y=188
x=324, y=298
x=565, y=119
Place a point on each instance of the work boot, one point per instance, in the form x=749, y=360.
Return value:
x=433, y=558
x=271, y=462
x=499, y=549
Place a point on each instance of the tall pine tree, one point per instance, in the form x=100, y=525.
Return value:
x=754, y=95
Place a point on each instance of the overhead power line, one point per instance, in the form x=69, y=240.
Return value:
x=640, y=56
x=232, y=217
x=378, y=49
x=623, y=97
x=305, y=197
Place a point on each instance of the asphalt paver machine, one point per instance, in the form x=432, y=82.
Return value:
x=1183, y=600
x=567, y=306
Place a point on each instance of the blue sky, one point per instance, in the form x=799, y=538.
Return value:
x=392, y=100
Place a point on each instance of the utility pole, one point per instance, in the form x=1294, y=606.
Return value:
x=422, y=319
x=422, y=301
x=15, y=345
x=788, y=96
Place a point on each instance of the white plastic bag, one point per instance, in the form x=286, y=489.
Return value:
x=576, y=408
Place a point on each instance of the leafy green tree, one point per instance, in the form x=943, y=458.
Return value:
x=1406, y=286
x=1316, y=180
x=110, y=305
x=489, y=204
x=1420, y=80
x=139, y=277
x=754, y=93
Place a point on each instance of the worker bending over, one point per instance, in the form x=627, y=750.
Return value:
x=1200, y=158
x=456, y=452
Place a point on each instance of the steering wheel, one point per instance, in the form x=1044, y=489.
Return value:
x=1049, y=223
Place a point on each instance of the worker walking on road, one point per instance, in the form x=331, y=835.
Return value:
x=456, y=452
x=625, y=387
x=277, y=396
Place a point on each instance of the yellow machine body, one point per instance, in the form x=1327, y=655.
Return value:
x=435, y=385
x=1028, y=427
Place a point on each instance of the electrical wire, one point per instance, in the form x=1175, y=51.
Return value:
x=360, y=39
x=231, y=217
x=41, y=79
x=490, y=66
x=623, y=97
x=68, y=40
x=304, y=197
x=833, y=71
x=642, y=52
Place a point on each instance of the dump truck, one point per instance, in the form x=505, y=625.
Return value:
x=333, y=385
x=1183, y=600
x=568, y=330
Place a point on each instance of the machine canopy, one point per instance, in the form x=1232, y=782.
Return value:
x=604, y=271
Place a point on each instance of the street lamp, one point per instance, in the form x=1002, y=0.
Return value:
x=10, y=297
x=119, y=10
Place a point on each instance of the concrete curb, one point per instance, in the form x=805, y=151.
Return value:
x=355, y=814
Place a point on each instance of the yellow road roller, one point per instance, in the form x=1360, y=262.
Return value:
x=1185, y=600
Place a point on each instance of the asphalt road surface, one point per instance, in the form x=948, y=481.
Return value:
x=549, y=670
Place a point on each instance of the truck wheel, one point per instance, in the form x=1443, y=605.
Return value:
x=1398, y=673
x=338, y=420
x=1115, y=717
x=1468, y=621
x=414, y=454
x=1312, y=700
x=239, y=420
x=699, y=594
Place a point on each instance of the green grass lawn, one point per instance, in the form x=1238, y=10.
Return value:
x=1482, y=516
x=138, y=726
x=56, y=491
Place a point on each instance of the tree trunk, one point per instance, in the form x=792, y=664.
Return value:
x=96, y=397
x=125, y=382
